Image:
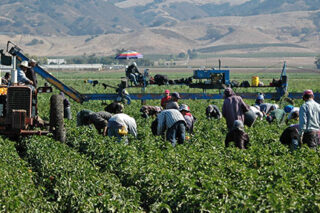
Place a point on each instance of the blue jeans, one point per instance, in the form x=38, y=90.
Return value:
x=133, y=79
x=177, y=131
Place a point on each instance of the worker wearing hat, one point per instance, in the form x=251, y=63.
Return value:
x=30, y=73
x=190, y=119
x=259, y=99
x=237, y=135
x=165, y=99
x=293, y=113
x=22, y=78
x=309, y=120
x=173, y=103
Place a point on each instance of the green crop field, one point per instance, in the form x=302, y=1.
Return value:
x=92, y=173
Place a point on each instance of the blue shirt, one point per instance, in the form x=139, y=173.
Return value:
x=22, y=78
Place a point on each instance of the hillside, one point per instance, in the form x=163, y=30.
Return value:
x=59, y=27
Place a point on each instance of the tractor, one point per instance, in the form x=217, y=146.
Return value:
x=18, y=107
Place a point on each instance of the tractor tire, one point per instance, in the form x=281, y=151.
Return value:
x=57, y=118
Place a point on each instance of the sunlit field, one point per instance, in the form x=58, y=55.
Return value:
x=92, y=173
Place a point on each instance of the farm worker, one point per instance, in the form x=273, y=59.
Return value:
x=277, y=114
x=123, y=94
x=233, y=108
x=293, y=113
x=98, y=119
x=165, y=99
x=31, y=73
x=266, y=108
x=114, y=107
x=5, y=80
x=22, y=78
x=259, y=99
x=212, y=111
x=66, y=107
x=290, y=137
x=309, y=120
x=173, y=102
x=256, y=110
x=147, y=111
x=121, y=124
x=171, y=122
x=188, y=117
x=132, y=73
x=237, y=135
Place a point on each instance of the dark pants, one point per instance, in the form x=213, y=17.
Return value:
x=177, y=131
x=311, y=138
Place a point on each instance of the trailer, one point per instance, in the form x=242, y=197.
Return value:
x=205, y=79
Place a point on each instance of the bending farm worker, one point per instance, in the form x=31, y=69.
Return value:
x=171, y=122
x=237, y=135
x=121, y=124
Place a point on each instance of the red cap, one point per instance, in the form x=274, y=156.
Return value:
x=307, y=92
x=167, y=91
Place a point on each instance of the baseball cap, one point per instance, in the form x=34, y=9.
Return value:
x=260, y=97
x=175, y=95
x=167, y=91
x=288, y=108
x=308, y=92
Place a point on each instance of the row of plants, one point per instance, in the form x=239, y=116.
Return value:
x=72, y=184
x=17, y=189
x=202, y=174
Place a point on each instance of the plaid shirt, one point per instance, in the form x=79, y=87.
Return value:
x=167, y=118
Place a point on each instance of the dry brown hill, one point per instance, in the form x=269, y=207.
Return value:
x=286, y=32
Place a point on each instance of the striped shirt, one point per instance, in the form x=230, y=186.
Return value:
x=167, y=118
x=124, y=120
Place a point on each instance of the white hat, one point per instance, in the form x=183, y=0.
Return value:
x=24, y=64
x=32, y=60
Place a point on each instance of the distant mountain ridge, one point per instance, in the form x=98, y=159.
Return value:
x=75, y=27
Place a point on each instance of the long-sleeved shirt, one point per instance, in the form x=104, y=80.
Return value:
x=190, y=120
x=124, y=120
x=22, y=78
x=172, y=105
x=294, y=110
x=164, y=101
x=167, y=118
x=309, y=116
x=257, y=112
x=100, y=119
x=266, y=107
x=240, y=138
x=213, y=111
x=233, y=109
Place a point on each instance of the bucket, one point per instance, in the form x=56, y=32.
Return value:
x=255, y=81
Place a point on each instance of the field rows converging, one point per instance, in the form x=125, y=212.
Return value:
x=92, y=173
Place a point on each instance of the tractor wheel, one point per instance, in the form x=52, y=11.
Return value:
x=56, y=118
